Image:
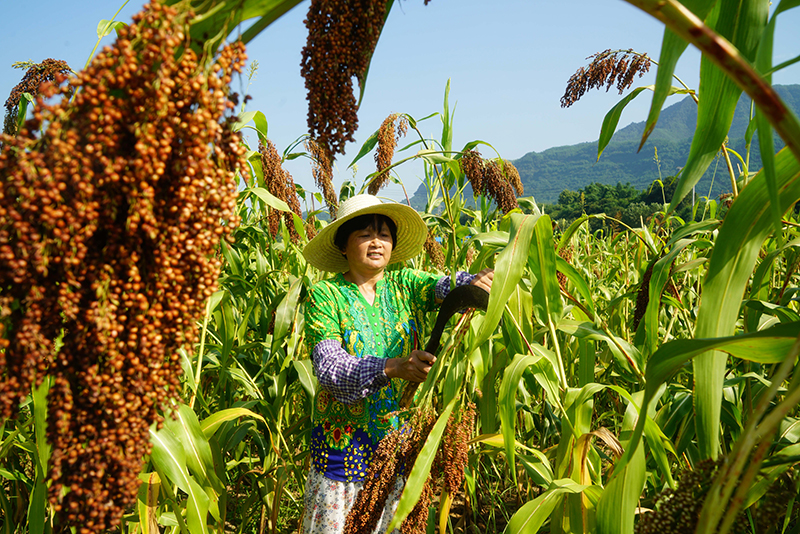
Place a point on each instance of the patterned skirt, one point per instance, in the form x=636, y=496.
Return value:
x=329, y=501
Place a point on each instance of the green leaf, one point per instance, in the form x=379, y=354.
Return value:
x=767, y=346
x=284, y=315
x=225, y=326
x=736, y=250
x=211, y=423
x=366, y=148
x=305, y=373
x=184, y=425
x=542, y=262
x=658, y=281
x=507, y=399
x=434, y=157
x=269, y=199
x=168, y=454
x=578, y=281
x=532, y=515
x=742, y=23
x=511, y=262
x=105, y=27
x=260, y=120
x=611, y=120
x=617, y=505
x=37, y=507
x=421, y=470
x=447, y=120
x=147, y=503
x=22, y=112
x=672, y=48
x=569, y=232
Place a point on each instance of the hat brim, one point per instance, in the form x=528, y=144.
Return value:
x=322, y=253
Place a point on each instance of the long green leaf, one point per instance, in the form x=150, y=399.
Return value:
x=742, y=23
x=542, y=262
x=284, y=315
x=269, y=199
x=767, y=346
x=421, y=470
x=530, y=518
x=305, y=372
x=658, y=281
x=184, y=425
x=672, y=48
x=611, y=120
x=737, y=248
x=37, y=507
x=511, y=262
x=147, y=503
x=507, y=399
x=170, y=458
x=615, y=510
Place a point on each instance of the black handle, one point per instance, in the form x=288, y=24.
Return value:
x=468, y=296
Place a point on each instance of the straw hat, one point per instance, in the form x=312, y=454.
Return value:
x=322, y=253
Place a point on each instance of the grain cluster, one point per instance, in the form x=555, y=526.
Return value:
x=112, y=207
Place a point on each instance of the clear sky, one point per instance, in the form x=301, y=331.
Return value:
x=508, y=62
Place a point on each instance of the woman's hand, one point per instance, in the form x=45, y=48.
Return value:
x=414, y=367
x=484, y=280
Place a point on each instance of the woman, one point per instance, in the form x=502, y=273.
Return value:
x=362, y=328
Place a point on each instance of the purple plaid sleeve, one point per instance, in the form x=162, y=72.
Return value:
x=347, y=377
x=443, y=285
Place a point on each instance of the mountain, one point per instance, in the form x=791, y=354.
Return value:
x=545, y=174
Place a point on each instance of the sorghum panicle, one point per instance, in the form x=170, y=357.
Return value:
x=341, y=39
x=46, y=71
x=456, y=449
x=488, y=178
x=434, y=250
x=110, y=219
x=378, y=483
x=387, y=142
x=322, y=170
x=280, y=183
x=606, y=69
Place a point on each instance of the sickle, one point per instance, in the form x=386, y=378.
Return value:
x=468, y=296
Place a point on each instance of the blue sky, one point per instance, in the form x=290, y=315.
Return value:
x=508, y=62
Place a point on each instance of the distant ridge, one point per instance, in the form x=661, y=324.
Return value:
x=545, y=174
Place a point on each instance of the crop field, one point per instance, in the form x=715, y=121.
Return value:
x=154, y=372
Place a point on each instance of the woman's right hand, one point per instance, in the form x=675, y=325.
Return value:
x=414, y=367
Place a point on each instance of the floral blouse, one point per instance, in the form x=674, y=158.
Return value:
x=349, y=339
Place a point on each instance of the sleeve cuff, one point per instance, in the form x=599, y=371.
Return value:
x=443, y=285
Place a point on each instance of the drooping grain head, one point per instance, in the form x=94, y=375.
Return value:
x=322, y=170
x=280, y=183
x=37, y=74
x=607, y=68
x=388, y=136
x=341, y=39
x=112, y=207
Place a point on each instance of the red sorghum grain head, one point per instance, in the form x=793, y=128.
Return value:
x=37, y=74
x=341, y=39
x=322, y=170
x=112, y=207
x=606, y=69
x=388, y=136
x=280, y=183
x=488, y=178
x=434, y=250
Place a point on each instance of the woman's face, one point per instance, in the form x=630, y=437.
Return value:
x=369, y=250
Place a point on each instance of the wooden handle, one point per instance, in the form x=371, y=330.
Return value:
x=408, y=395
